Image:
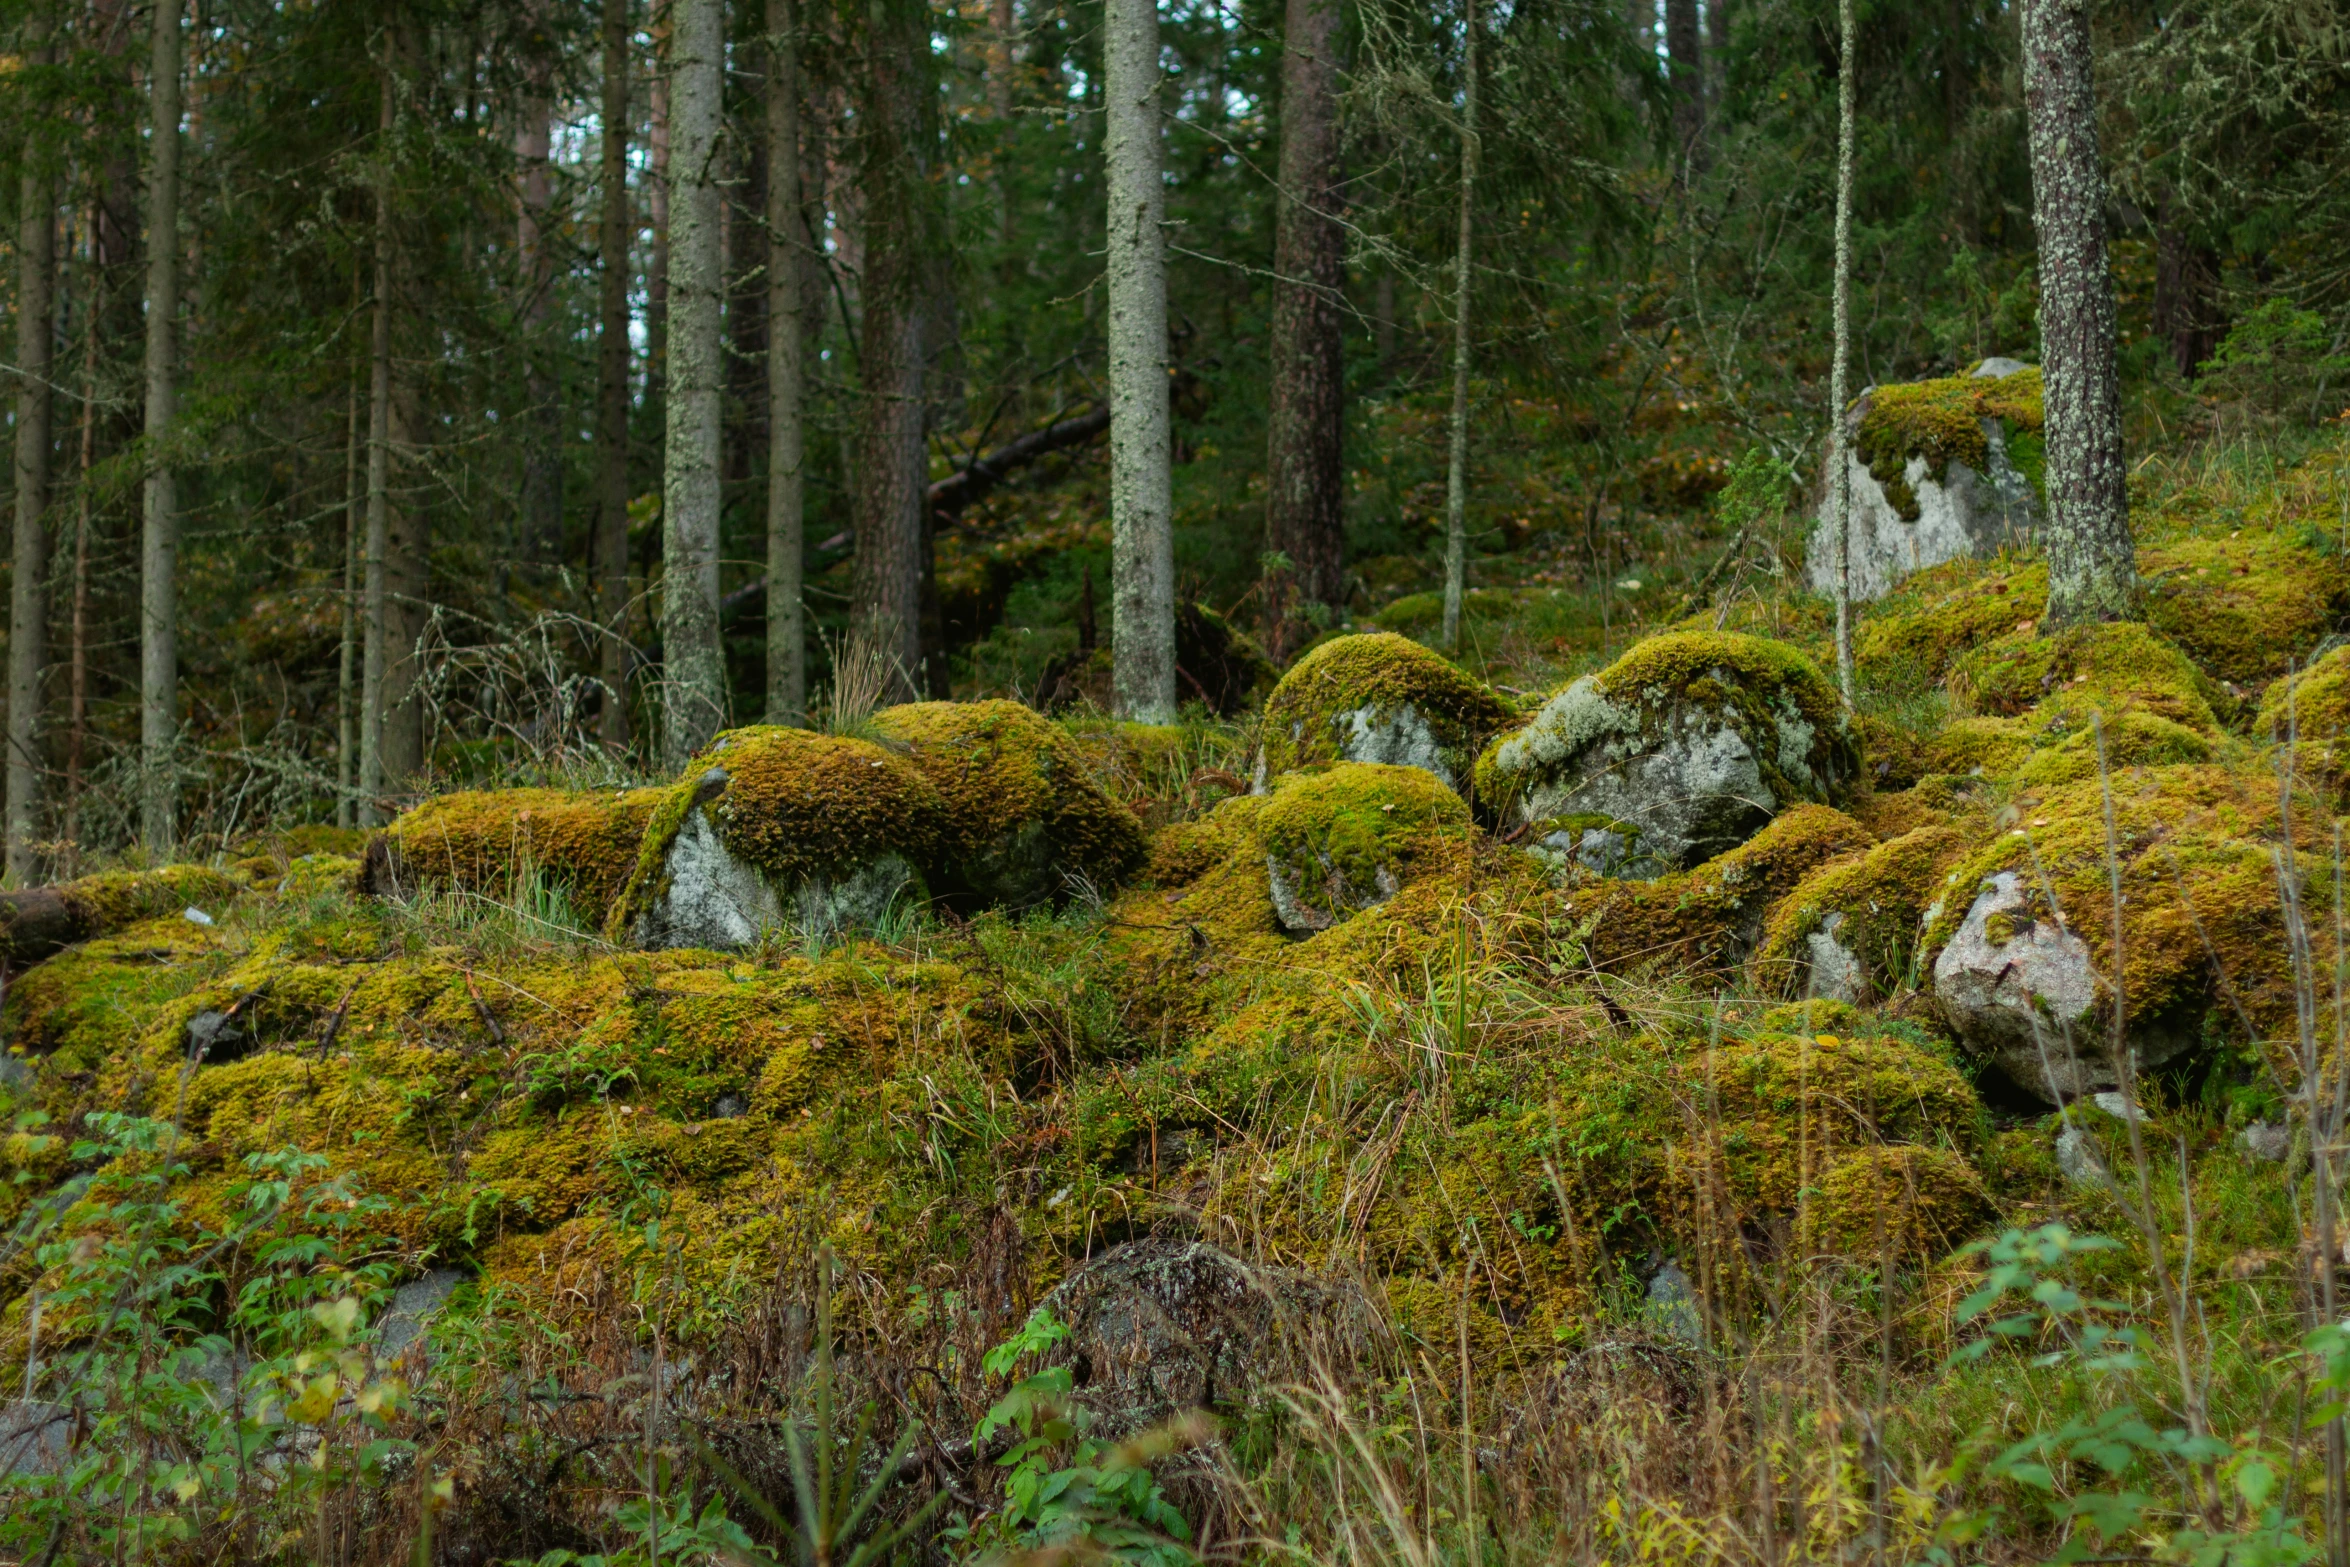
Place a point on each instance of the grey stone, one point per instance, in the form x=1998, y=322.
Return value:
x=213, y=1036
x=1836, y=972
x=713, y=899
x=2117, y=1105
x=36, y=1437
x=2271, y=1142
x=1301, y=918
x=414, y=1305
x=1964, y=514
x=1397, y=736
x=2016, y=1001
x=2078, y=1159
x=1615, y=851
x=1157, y=1327
x=1671, y=1307
x=730, y=1107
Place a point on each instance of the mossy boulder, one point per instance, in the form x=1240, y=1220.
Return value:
x=1705, y=922
x=40, y=921
x=1849, y=930
x=1910, y=1203
x=582, y=843
x=780, y=827
x=1938, y=616
x=2309, y=711
x=2057, y=741
x=2020, y=941
x=2110, y=667
x=1344, y=839
x=2247, y=605
x=1378, y=697
x=1025, y=823
x=1940, y=470
x=1695, y=739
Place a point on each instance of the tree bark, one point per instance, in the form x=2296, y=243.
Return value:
x=407, y=577
x=1142, y=500
x=28, y=606
x=1840, y=374
x=657, y=211
x=542, y=430
x=1717, y=59
x=78, y=652
x=612, y=357
x=159, y=536
x=2092, y=564
x=1686, y=54
x=1305, y=508
x=889, y=508
x=1456, y=476
x=346, y=670
x=2186, y=291
x=693, y=694
x=376, y=629
x=787, y=251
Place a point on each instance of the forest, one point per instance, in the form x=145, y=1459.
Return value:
x=1085, y=780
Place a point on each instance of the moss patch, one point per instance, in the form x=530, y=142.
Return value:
x=1346, y=837
x=1881, y=895
x=2245, y=607
x=1353, y=686
x=2122, y=664
x=1942, y=422
x=489, y=841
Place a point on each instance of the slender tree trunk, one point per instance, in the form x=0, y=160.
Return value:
x=693, y=703
x=407, y=573
x=2186, y=288
x=1717, y=61
x=542, y=430
x=1000, y=24
x=78, y=654
x=787, y=249
x=376, y=641
x=1456, y=476
x=346, y=671
x=2092, y=564
x=28, y=607
x=1305, y=508
x=1142, y=497
x=657, y=210
x=1840, y=374
x=612, y=356
x=159, y=541
x=891, y=504
x=1683, y=49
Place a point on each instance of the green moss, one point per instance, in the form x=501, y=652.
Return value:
x=1023, y=818
x=1347, y=836
x=1881, y=896
x=2247, y=606
x=2310, y=712
x=1938, y=615
x=2115, y=665
x=1351, y=684
x=489, y=841
x=1912, y=1204
x=1942, y=422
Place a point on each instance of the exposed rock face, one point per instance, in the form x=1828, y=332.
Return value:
x=1939, y=480
x=1157, y=1327
x=1836, y=972
x=2018, y=989
x=1378, y=698
x=1694, y=740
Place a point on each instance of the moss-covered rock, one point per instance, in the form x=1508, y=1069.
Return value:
x=1703, y=923
x=2245, y=606
x=1697, y=739
x=491, y=842
x=2309, y=711
x=1908, y=1203
x=40, y=921
x=1345, y=838
x=1941, y=614
x=1378, y=697
x=2113, y=667
x=1849, y=930
x=2021, y=939
x=780, y=827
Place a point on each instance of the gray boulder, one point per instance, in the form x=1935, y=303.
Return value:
x=2019, y=991
x=1942, y=506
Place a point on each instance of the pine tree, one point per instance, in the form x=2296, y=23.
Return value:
x=1142, y=563
x=159, y=539
x=1839, y=458
x=787, y=336
x=28, y=608
x=614, y=236
x=1456, y=476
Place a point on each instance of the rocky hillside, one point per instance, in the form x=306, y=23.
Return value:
x=1618, y=1072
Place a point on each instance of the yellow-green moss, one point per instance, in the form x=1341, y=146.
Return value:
x=1942, y=422
x=2309, y=711
x=1348, y=835
x=1307, y=717
x=1908, y=1204
x=2112, y=665
x=2247, y=606
x=1023, y=818
x=1882, y=895
x=1938, y=615
x=486, y=841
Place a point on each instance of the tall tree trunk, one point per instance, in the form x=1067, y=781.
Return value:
x=28, y=606
x=407, y=579
x=657, y=211
x=693, y=702
x=78, y=652
x=2092, y=564
x=1838, y=457
x=542, y=429
x=1000, y=25
x=2186, y=291
x=1717, y=60
x=376, y=632
x=1456, y=475
x=159, y=539
x=787, y=250
x=346, y=669
x=891, y=504
x=1142, y=498
x=612, y=356
x=1305, y=507
x=1686, y=55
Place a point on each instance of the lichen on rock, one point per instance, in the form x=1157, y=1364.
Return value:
x=1697, y=739
x=1378, y=697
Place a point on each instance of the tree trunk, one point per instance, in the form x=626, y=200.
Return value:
x=1717, y=59
x=1685, y=53
x=657, y=210
x=407, y=583
x=542, y=429
x=2186, y=291
x=78, y=653
x=159, y=540
x=889, y=511
x=28, y=606
x=1305, y=507
x=1142, y=550
x=1840, y=374
x=999, y=104
x=376, y=630
x=612, y=356
x=787, y=250
x=346, y=698
x=1456, y=475
x=693, y=686
x=2092, y=565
